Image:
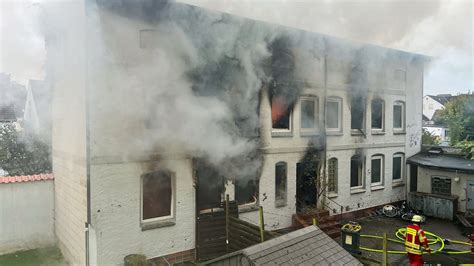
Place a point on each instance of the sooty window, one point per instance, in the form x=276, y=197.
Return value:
x=357, y=166
x=246, y=191
x=377, y=170
x=157, y=196
x=377, y=114
x=281, y=172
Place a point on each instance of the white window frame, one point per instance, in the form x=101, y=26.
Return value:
x=315, y=100
x=170, y=217
x=361, y=175
x=279, y=202
x=402, y=104
x=337, y=100
x=382, y=170
x=402, y=167
x=282, y=131
x=377, y=130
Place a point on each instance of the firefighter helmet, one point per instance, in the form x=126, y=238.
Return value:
x=416, y=218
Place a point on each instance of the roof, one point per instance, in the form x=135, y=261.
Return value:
x=441, y=98
x=307, y=246
x=443, y=161
x=25, y=178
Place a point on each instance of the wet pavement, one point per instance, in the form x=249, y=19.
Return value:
x=377, y=225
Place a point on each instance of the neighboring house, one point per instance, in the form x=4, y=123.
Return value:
x=308, y=246
x=442, y=133
x=432, y=103
x=336, y=134
x=443, y=179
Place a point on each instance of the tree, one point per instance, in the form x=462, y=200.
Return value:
x=458, y=116
x=22, y=154
x=428, y=139
x=467, y=148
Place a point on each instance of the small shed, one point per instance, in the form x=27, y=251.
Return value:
x=307, y=246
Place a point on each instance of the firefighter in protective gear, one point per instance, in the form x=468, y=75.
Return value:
x=414, y=239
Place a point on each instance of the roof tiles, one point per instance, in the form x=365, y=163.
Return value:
x=25, y=178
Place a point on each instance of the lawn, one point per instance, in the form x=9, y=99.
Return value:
x=43, y=256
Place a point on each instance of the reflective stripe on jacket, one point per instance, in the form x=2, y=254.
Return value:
x=414, y=238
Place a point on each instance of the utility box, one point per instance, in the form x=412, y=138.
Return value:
x=350, y=237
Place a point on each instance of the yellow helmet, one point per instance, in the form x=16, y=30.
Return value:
x=416, y=219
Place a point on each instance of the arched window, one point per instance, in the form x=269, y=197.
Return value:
x=332, y=175
x=399, y=115
x=378, y=114
x=377, y=170
x=357, y=168
x=397, y=167
x=281, y=172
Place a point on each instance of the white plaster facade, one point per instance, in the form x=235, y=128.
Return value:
x=96, y=150
x=27, y=215
x=430, y=106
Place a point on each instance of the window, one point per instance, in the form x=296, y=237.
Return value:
x=441, y=185
x=157, y=196
x=356, y=171
x=397, y=166
x=309, y=108
x=281, y=172
x=246, y=191
x=333, y=114
x=281, y=114
x=332, y=175
x=399, y=116
x=377, y=170
x=377, y=114
x=358, y=112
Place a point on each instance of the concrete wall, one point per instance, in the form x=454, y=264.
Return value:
x=457, y=188
x=66, y=65
x=116, y=192
x=26, y=215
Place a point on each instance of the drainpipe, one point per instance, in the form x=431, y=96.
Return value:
x=323, y=133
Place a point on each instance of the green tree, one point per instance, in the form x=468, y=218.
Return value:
x=458, y=116
x=22, y=154
x=467, y=148
x=428, y=139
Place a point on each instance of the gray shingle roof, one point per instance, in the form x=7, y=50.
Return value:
x=443, y=161
x=307, y=246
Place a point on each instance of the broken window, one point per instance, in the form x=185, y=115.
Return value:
x=398, y=115
x=441, y=185
x=377, y=170
x=377, y=114
x=157, y=195
x=357, y=112
x=333, y=114
x=397, y=167
x=281, y=114
x=356, y=171
x=308, y=112
x=280, y=183
x=246, y=191
x=332, y=175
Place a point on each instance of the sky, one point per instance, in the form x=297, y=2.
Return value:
x=438, y=28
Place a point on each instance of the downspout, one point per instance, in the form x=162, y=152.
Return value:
x=323, y=133
x=88, y=152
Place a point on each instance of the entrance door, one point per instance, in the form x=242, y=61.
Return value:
x=306, y=192
x=470, y=195
x=413, y=178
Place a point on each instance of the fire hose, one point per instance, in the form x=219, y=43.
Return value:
x=432, y=240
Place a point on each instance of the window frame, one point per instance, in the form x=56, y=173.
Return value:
x=282, y=132
x=333, y=159
x=338, y=100
x=433, y=177
x=400, y=155
x=248, y=206
x=382, y=170
x=315, y=100
x=280, y=202
x=361, y=174
x=399, y=129
x=163, y=220
x=382, y=129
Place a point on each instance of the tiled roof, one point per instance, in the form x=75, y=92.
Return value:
x=25, y=178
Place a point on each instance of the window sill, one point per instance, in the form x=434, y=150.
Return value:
x=248, y=207
x=332, y=195
x=398, y=184
x=157, y=224
x=357, y=190
x=282, y=134
x=308, y=133
x=334, y=133
x=377, y=187
x=280, y=203
x=399, y=132
x=377, y=132
x=356, y=132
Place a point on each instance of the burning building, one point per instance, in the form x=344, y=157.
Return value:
x=161, y=109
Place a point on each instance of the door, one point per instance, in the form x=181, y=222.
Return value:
x=413, y=178
x=470, y=195
x=306, y=180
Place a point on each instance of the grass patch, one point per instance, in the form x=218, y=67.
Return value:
x=42, y=256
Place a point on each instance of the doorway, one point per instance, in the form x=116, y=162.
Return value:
x=306, y=182
x=413, y=178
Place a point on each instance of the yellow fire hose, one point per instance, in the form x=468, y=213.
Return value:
x=432, y=240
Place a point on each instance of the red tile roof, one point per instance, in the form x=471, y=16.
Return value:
x=25, y=178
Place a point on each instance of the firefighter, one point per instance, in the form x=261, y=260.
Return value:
x=414, y=239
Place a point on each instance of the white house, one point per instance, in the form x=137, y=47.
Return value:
x=168, y=107
x=432, y=103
